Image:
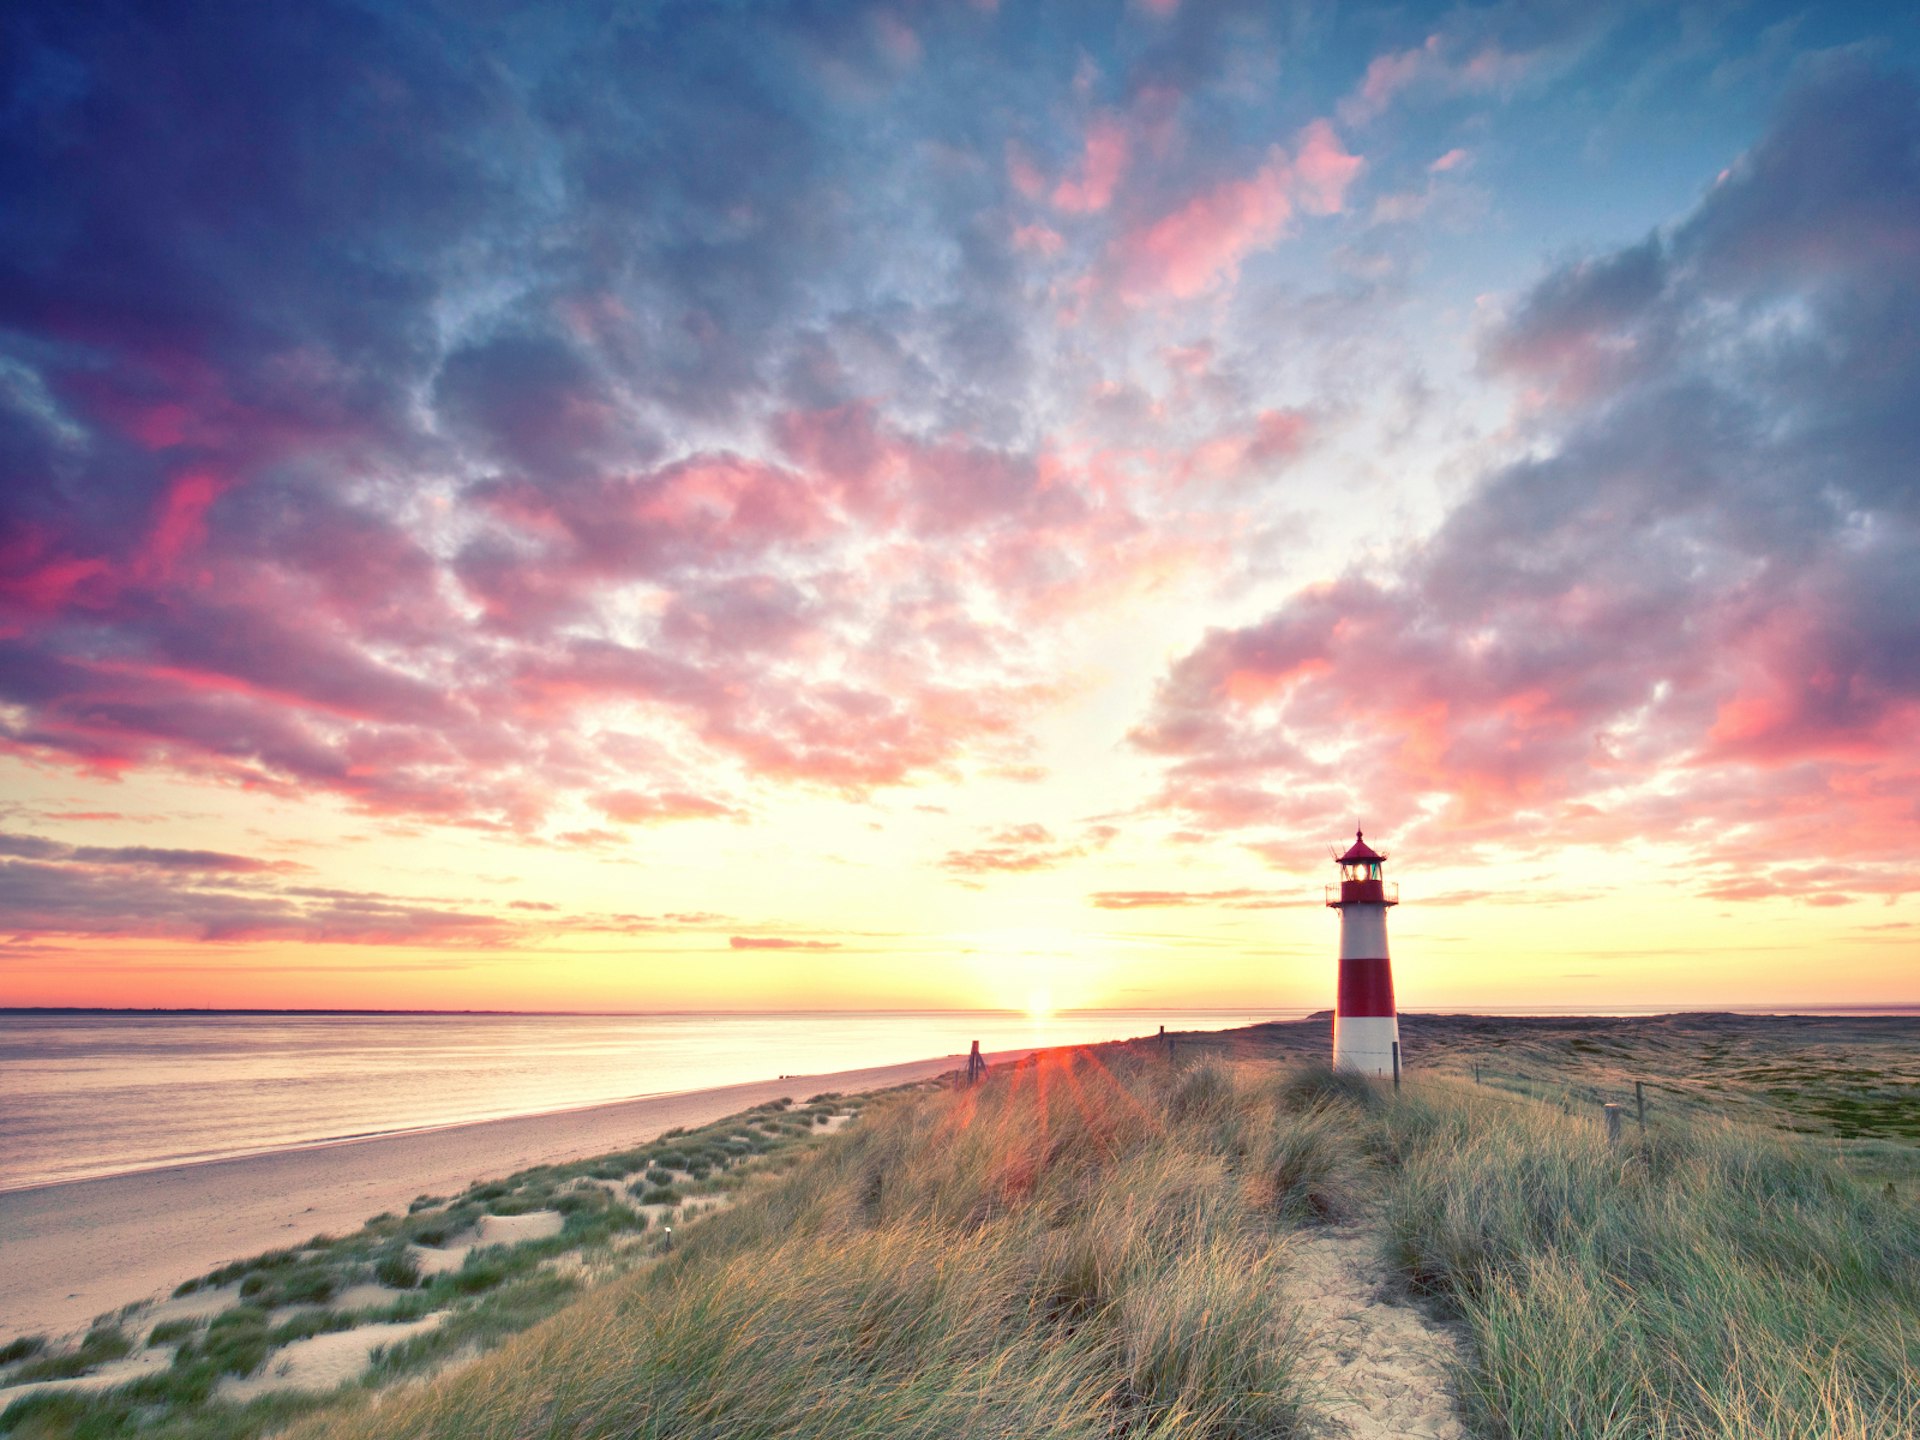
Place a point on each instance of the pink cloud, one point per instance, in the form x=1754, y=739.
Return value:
x=1452, y=160
x=1023, y=849
x=1202, y=244
x=1023, y=174
x=778, y=942
x=1431, y=68
x=35, y=575
x=1323, y=169
x=1388, y=75
x=215, y=899
x=180, y=519
x=1184, y=899
x=631, y=807
x=1101, y=166
x=899, y=41
x=1193, y=360
x=1274, y=438
x=1040, y=239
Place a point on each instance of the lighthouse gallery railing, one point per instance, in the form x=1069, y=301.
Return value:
x=1363, y=892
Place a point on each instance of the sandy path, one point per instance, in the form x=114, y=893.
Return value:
x=71, y=1251
x=1381, y=1369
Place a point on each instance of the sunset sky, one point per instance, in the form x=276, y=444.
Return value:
x=631, y=506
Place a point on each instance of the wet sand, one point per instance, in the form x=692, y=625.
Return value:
x=74, y=1250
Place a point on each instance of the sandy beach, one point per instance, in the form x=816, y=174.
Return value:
x=71, y=1251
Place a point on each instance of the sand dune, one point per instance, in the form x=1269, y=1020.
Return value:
x=72, y=1251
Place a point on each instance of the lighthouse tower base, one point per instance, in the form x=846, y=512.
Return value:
x=1366, y=1044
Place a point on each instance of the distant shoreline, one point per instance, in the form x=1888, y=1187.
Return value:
x=1569, y=1012
x=622, y=1014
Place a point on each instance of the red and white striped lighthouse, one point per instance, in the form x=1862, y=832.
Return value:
x=1366, y=1027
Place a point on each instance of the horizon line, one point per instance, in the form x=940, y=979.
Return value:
x=1660, y=1008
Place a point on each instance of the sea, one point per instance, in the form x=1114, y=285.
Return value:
x=91, y=1093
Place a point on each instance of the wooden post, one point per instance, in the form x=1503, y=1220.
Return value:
x=1640, y=1103
x=1396, y=1065
x=1613, y=1124
x=976, y=1065
x=1476, y=1072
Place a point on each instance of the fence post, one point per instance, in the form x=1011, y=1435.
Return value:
x=976, y=1065
x=1396, y=1064
x=1613, y=1124
x=1476, y=1072
x=1640, y=1102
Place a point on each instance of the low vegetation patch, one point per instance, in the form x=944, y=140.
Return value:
x=21, y=1349
x=281, y=1296
x=98, y=1346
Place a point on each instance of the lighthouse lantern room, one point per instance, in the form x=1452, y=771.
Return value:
x=1366, y=1027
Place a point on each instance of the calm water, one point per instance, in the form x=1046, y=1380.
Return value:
x=84, y=1095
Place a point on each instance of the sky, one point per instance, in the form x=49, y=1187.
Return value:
x=744, y=505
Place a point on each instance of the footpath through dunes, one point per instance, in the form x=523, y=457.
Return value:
x=1383, y=1369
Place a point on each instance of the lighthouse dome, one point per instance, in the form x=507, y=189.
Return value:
x=1359, y=852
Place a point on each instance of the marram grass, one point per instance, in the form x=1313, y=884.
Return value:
x=1096, y=1246
x=1050, y=1255
x=1077, y=1250
x=1711, y=1282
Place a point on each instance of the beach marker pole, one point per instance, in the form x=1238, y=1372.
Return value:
x=1613, y=1125
x=976, y=1065
x=1640, y=1103
x=1366, y=1026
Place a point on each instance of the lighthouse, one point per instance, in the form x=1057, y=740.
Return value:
x=1366, y=1027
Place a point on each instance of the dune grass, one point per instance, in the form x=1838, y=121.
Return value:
x=1097, y=1248
x=280, y=1297
x=1095, y=1245
x=1713, y=1282
x=104, y=1342
x=1071, y=1250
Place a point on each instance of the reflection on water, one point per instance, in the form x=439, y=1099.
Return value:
x=98, y=1094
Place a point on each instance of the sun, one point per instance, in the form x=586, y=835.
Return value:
x=1040, y=1005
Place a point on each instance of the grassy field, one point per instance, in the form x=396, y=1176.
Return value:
x=1850, y=1079
x=1096, y=1243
